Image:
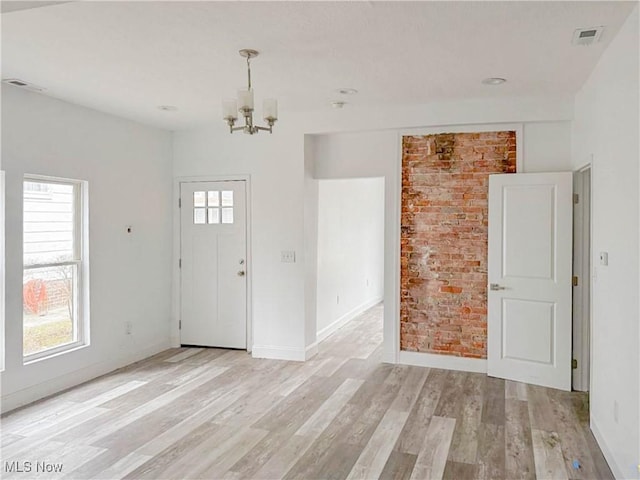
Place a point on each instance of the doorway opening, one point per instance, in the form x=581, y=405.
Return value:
x=350, y=275
x=581, y=354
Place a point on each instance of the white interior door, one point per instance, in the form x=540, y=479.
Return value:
x=213, y=247
x=529, y=297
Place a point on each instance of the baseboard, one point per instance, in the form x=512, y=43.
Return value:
x=608, y=456
x=311, y=351
x=335, y=325
x=274, y=352
x=36, y=392
x=447, y=362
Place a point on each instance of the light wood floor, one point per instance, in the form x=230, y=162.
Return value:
x=218, y=414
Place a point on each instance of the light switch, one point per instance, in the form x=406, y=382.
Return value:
x=288, y=256
x=604, y=258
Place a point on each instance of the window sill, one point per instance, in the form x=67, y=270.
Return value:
x=39, y=357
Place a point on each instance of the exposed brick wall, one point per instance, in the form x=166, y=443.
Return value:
x=445, y=186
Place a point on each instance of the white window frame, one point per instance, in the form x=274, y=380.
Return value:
x=2, y=274
x=80, y=261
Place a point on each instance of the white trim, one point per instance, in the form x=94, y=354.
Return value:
x=2, y=272
x=274, y=352
x=447, y=362
x=311, y=351
x=392, y=353
x=54, y=385
x=177, y=248
x=391, y=320
x=608, y=456
x=581, y=315
x=81, y=288
x=347, y=317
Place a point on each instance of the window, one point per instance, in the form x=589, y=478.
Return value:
x=53, y=274
x=213, y=207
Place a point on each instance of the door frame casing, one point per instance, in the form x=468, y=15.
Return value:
x=582, y=293
x=176, y=288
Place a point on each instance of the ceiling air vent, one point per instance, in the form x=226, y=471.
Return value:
x=22, y=84
x=587, y=36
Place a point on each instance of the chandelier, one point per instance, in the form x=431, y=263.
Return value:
x=244, y=104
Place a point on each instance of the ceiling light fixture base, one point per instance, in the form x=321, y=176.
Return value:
x=249, y=53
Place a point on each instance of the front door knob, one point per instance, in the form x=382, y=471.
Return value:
x=241, y=273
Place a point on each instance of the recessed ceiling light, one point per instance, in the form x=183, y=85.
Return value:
x=494, y=81
x=167, y=108
x=338, y=104
x=347, y=91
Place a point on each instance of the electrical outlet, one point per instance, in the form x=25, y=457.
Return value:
x=615, y=410
x=128, y=327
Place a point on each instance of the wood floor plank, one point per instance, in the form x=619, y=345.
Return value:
x=491, y=452
x=399, y=466
x=374, y=456
x=28, y=443
x=450, y=401
x=93, y=435
x=184, y=456
x=325, y=414
x=9, y=438
x=459, y=471
x=540, y=408
x=602, y=467
x=229, y=453
x=572, y=441
x=548, y=455
x=278, y=464
x=123, y=467
x=464, y=444
x=296, y=408
x=411, y=438
x=493, y=401
x=183, y=354
x=432, y=458
x=519, y=461
x=515, y=390
x=105, y=397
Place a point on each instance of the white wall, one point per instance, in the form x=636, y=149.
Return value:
x=605, y=132
x=275, y=164
x=350, y=253
x=128, y=168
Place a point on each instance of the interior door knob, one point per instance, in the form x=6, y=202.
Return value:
x=241, y=273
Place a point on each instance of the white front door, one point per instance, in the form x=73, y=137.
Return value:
x=213, y=251
x=529, y=296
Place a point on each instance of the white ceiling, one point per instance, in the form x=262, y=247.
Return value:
x=126, y=58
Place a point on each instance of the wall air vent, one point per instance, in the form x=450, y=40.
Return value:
x=22, y=84
x=587, y=36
